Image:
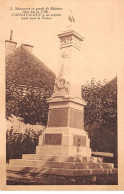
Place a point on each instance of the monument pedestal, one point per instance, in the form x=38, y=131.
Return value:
x=65, y=142
x=64, y=134
x=64, y=147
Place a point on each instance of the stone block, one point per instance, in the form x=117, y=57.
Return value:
x=68, y=165
x=61, y=158
x=79, y=151
x=84, y=172
x=24, y=162
x=112, y=171
x=65, y=140
x=79, y=165
x=52, y=150
x=115, y=171
x=29, y=156
x=58, y=168
x=38, y=149
x=40, y=140
x=79, y=140
x=99, y=171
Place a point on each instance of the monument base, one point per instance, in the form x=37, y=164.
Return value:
x=64, y=141
x=61, y=165
x=64, y=146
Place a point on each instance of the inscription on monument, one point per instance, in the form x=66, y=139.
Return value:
x=79, y=140
x=76, y=119
x=53, y=139
x=58, y=118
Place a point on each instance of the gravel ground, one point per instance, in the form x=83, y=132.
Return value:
x=18, y=178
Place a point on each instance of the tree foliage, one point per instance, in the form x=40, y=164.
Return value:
x=18, y=143
x=25, y=71
x=32, y=106
x=101, y=102
x=100, y=115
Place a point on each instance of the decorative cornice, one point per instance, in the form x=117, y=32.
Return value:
x=66, y=98
x=71, y=32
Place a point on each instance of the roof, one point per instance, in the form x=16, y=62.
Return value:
x=23, y=68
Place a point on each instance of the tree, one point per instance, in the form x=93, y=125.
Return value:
x=100, y=115
x=32, y=106
x=18, y=143
x=24, y=71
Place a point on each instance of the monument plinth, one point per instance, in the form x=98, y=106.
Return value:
x=65, y=133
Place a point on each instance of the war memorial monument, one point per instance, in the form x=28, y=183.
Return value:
x=64, y=146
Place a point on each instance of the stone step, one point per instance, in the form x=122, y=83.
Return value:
x=63, y=150
x=61, y=158
x=60, y=171
x=65, y=165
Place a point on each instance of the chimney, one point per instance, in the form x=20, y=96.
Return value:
x=10, y=45
x=28, y=47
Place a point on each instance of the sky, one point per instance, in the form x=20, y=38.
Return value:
x=97, y=21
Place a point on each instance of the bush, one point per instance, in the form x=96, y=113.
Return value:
x=18, y=143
